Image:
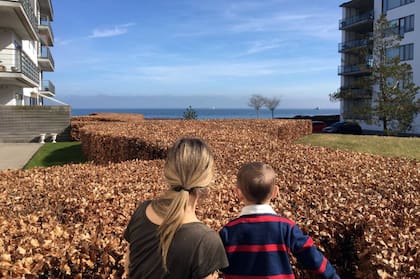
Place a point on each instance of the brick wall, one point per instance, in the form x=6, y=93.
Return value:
x=26, y=123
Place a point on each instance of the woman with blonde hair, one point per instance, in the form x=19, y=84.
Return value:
x=166, y=238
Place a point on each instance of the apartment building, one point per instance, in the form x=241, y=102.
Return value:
x=26, y=37
x=356, y=25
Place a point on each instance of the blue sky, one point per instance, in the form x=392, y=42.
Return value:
x=134, y=50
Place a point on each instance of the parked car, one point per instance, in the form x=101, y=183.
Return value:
x=317, y=126
x=344, y=128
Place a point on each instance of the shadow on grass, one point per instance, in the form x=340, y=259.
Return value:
x=65, y=155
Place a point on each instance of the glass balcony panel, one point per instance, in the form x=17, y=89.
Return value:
x=46, y=8
x=354, y=44
x=45, y=54
x=48, y=86
x=354, y=69
x=14, y=60
x=356, y=19
x=46, y=23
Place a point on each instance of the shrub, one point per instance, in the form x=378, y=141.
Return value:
x=190, y=114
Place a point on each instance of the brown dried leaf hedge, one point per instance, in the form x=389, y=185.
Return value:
x=79, y=121
x=362, y=210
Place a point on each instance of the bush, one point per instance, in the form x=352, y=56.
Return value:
x=190, y=114
x=67, y=222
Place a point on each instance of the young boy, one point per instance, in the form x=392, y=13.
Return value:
x=257, y=243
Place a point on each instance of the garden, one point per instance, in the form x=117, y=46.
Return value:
x=362, y=210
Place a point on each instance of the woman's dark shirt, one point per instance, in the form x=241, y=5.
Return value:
x=195, y=252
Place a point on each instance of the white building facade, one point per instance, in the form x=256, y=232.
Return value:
x=26, y=37
x=358, y=17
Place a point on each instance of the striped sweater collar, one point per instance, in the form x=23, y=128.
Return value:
x=257, y=209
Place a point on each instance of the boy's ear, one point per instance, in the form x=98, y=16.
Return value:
x=239, y=194
x=275, y=192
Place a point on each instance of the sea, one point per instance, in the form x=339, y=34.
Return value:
x=210, y=113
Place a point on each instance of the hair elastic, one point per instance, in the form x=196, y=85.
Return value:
x=182, y=188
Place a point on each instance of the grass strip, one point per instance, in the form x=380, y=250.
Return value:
x=402, y=147
x=60, y=153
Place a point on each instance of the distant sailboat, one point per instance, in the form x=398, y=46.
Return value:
x=317, y=108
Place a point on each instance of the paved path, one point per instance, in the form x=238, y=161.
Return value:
x=15, y=155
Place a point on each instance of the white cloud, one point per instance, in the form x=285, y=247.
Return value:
x=222, y=70
x=316, y=25
x=111, y=32
x=60, y=42
x=264, y=45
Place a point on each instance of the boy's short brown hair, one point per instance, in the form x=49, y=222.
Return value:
x=256, y=181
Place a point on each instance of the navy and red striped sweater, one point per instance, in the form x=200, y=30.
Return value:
x=258, y=247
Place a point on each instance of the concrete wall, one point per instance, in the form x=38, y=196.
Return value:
x=26, y=123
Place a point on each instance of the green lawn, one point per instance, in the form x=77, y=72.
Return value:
x=404, y=147
x=60, y=153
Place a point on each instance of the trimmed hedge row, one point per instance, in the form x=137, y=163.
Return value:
x=148, y=140
x=79, y=121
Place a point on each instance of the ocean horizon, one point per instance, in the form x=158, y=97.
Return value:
x=209, y=113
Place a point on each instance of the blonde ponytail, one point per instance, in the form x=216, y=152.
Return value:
x=188, y=166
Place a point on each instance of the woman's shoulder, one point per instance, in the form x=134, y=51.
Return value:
x=196, y=227
x=140, y=210
x=199, y=232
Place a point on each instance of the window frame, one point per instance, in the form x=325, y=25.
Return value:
x=401, y=3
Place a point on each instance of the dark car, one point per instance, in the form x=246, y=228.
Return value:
x=317, y=126
x=344, y=128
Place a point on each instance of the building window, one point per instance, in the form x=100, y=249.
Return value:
x=19, y=99
x=407, y=52
x=392, y=52
x=392, y=4
x=402, y=25
x=407, y=80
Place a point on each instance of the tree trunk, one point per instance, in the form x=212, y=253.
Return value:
x=385, y=123
x=272, y=114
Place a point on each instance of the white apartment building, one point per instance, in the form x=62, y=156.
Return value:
x=25, y=40
x=357, y=21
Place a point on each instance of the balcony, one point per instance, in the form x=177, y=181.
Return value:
x=17, y=68
x=359, y=23
x=355, y=93
x=47, y=88
x=45, y=32
x=19, y=16
x=46, y=9
x=45, y=59
x=356, y=44
x=357, y=69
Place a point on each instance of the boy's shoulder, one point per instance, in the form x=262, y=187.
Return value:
x=260, y=218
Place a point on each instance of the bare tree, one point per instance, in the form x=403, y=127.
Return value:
x=256, y=101
x=272, y=104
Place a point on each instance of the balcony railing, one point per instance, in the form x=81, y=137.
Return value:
x=355, y=93
x=27, y=7
x=48, y=86
x=45, y=7
x=354, y=44
x=354, y=69
x=45, y=53
x=45, y=21
x=14, y=60
x=356, y=19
